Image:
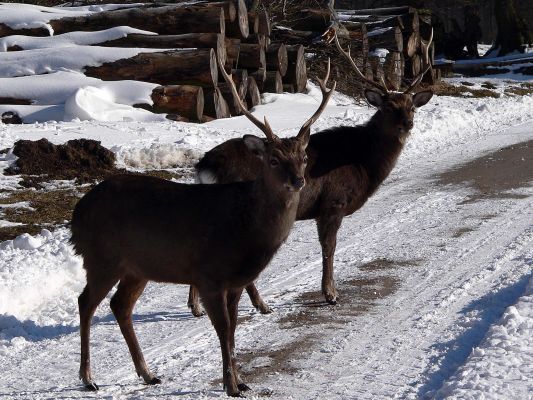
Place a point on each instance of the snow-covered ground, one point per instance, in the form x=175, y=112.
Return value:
x=434, y=288
x=434, y=272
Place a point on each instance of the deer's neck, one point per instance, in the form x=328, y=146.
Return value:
x=385, y=146
x=275, y=212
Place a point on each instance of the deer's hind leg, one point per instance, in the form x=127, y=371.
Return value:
x=128, y=292
x=98, y=286
x=328, y=226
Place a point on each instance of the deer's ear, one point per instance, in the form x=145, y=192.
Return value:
x=421, y=98
x=255, y=145
x=374, y=98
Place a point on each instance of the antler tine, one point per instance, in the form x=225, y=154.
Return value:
x=326, y=95
x=426, y=63
x=265, y=127
x=346, y=54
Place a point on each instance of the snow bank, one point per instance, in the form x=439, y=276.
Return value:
x=68, y=39
x=502, y=365
x=157, y=156
x=40, y=279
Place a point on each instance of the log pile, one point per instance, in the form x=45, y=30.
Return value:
x=386, y=43
x=191, y=35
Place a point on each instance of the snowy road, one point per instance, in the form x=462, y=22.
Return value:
x=424, y=270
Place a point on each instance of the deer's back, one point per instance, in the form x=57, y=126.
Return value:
x=158, y=227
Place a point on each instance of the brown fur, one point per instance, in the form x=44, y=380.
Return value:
x=346, y=166
x=133, y=229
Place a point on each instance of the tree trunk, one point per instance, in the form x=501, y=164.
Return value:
x=296, y=70
x=195, y=67
x=273, y=82
x=513, y=32
x=277, y=59
x=185, y=100
x=386, y=38
x=251, y=56
x=253, y=96
x=169, y=20
x=214, y=104
x=190, y=40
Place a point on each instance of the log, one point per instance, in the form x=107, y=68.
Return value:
x=251, y=56
x=312, y=20
x=240, y=27
x=296, y=70
x=15, y=101
x=168, y=20
x=276, y=58
x=233, y=47
x=240, y=77
x=393, y=69
x=232, y=103
x=214, y=104
x=260, y=23
x=184, y=100
x=376, y=67
x=288, y=88
x=253, y=96
x=377, y=11
x=183, y=67
x=386, y=38
x=411, y=44
x=216, y=41
x=273, y=82
x=259, y=76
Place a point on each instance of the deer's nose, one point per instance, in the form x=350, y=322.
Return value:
x=298, y=182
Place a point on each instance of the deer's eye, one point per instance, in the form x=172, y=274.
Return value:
x=274, y=162
x=305, y=159
x=413, y=109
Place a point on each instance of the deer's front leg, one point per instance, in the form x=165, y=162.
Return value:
x=328, y=226
x=215, y=304
x=233, y=298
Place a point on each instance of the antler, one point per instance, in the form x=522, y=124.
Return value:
x=382, y=87
x=326, y=95
x=426, y=63
x=265, y=127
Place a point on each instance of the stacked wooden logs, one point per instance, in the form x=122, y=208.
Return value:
x=191, y=35
x=386, y=43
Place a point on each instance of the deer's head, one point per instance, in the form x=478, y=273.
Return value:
x=284, y=160
x=397, y=110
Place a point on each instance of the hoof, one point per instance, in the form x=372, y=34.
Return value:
x=236, y=394
x=154, y=381
x=91, y=387
x=331, y=299
x=265, y=309
x=243, y=387
x=197, y=312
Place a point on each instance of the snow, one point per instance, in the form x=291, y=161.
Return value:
x=43, y=61
x=436, y=287
x=26, y=16
x=68, y=39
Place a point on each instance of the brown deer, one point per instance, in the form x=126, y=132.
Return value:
x=346, y=166
x=133, y=229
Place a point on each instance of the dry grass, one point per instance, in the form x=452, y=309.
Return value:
x=445, y=89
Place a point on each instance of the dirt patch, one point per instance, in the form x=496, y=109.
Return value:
x=495, y=174
x=445, y=89
x=81, y=159
x=380, y=264
x=523, y=90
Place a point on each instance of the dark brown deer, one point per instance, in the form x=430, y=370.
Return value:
x=133, y=229
x=346, y=166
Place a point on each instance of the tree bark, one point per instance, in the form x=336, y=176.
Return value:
x=273, y=82
x=253, y=96
x=296, y=70
x=251, y=56
x=187, y=67
x=185, y=100
x=277, y=59
x=214, y=104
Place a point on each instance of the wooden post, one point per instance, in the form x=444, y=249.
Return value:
x=185, y=100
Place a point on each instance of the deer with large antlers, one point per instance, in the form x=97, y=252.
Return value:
x=133, y=229
x=346, y=166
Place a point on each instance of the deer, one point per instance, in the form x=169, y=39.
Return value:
x=346, y=166
x=133, y=229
